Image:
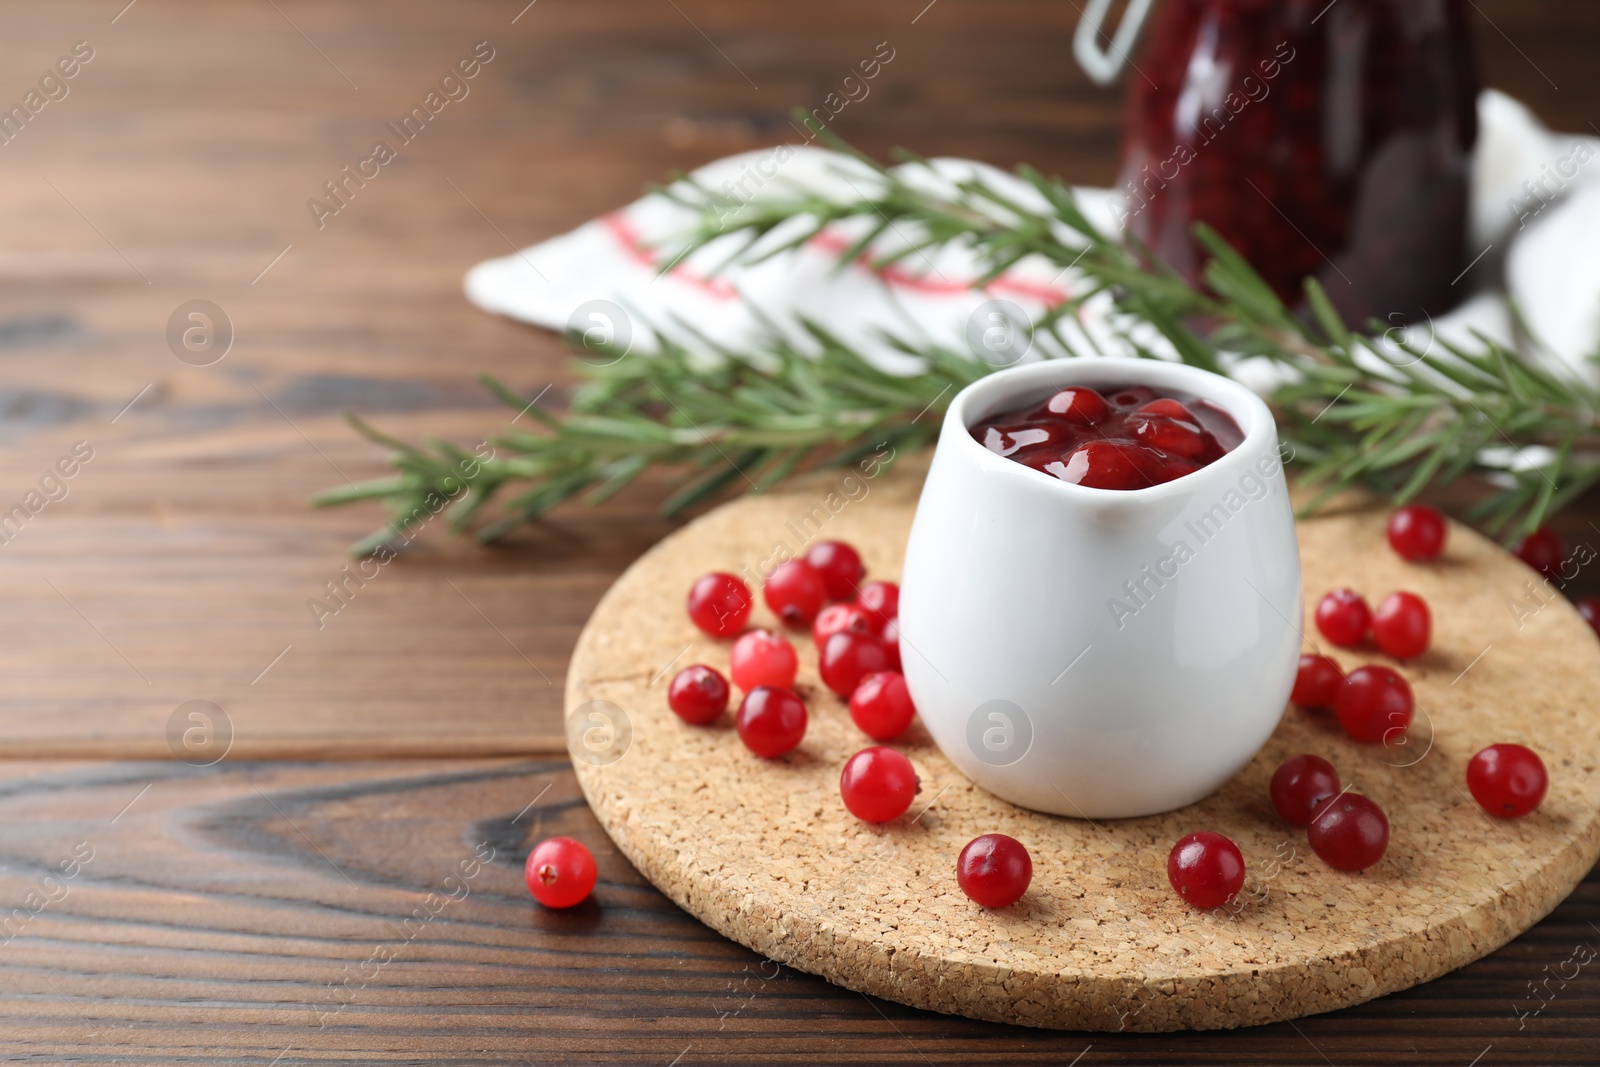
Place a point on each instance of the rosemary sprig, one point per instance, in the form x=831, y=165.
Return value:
x=736, y=420
x=1358, y=411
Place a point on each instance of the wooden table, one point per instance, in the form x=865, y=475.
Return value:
x=308, y=899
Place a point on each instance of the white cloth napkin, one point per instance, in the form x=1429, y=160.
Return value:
x=1535, y=210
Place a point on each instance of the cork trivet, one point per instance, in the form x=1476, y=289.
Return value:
x=765, y=852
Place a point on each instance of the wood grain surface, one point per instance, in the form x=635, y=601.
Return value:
x=258, y=913
x=178, y=566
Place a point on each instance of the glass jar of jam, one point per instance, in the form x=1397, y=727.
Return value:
x=1322, y=138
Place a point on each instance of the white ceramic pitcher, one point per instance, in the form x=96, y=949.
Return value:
x=1092, y=652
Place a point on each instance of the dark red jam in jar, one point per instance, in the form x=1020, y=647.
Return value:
x=1319, y=139
x=1127, y=437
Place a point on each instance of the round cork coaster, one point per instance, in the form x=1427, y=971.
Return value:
x=765, y=852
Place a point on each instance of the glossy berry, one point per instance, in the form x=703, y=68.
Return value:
x=719, y=604
x=1507, y=780
x=795, y=592
x=1375, y=704
x=1589, y=608
x=840, y=618
x=881, y=705
x=1349, y=832
x=1543, y=551
x=560, y=872
x=1344, y=618
x=1166, y=406
x=698, y=694
x=878, y=784
x=1206, y=869
x=762, y=657
x=1300, y=785
x=771, y=721
x=1080, y=405
x=994, y=870
x=881, y=602
x=1010, y=442
x=1104, y=465
x=891, y=641
x=840, y=567
x=848, y=658
x=1417, y=532
x=1402, y=626
x=1317, y=682
x=1172, y=430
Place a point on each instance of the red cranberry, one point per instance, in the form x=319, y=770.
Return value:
x=878, y=784
x=848, y=658
x=719, y=604
x=881, y=602
x=840, y=619
x=840, y=567
x=1102, y=465
x=1344, y=618
x=1173, y=436
x=698, y=694
x=1543, y=551
x=1349, y=832
x=1589, y=608
x=1375, y=704
x=1032, y=438
x=795, y=592
x=994, y=870
x=762, y=657
x=1167, y=407
x=560, y=872
x=1402, y=626
x=1317, y=682
x=1080, y=405
x=771, y=721
x=891, y=641
x=1206, y=869
x=1417, y=532
x=1300, y=785
x=1507, y=780
x=881, y=705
